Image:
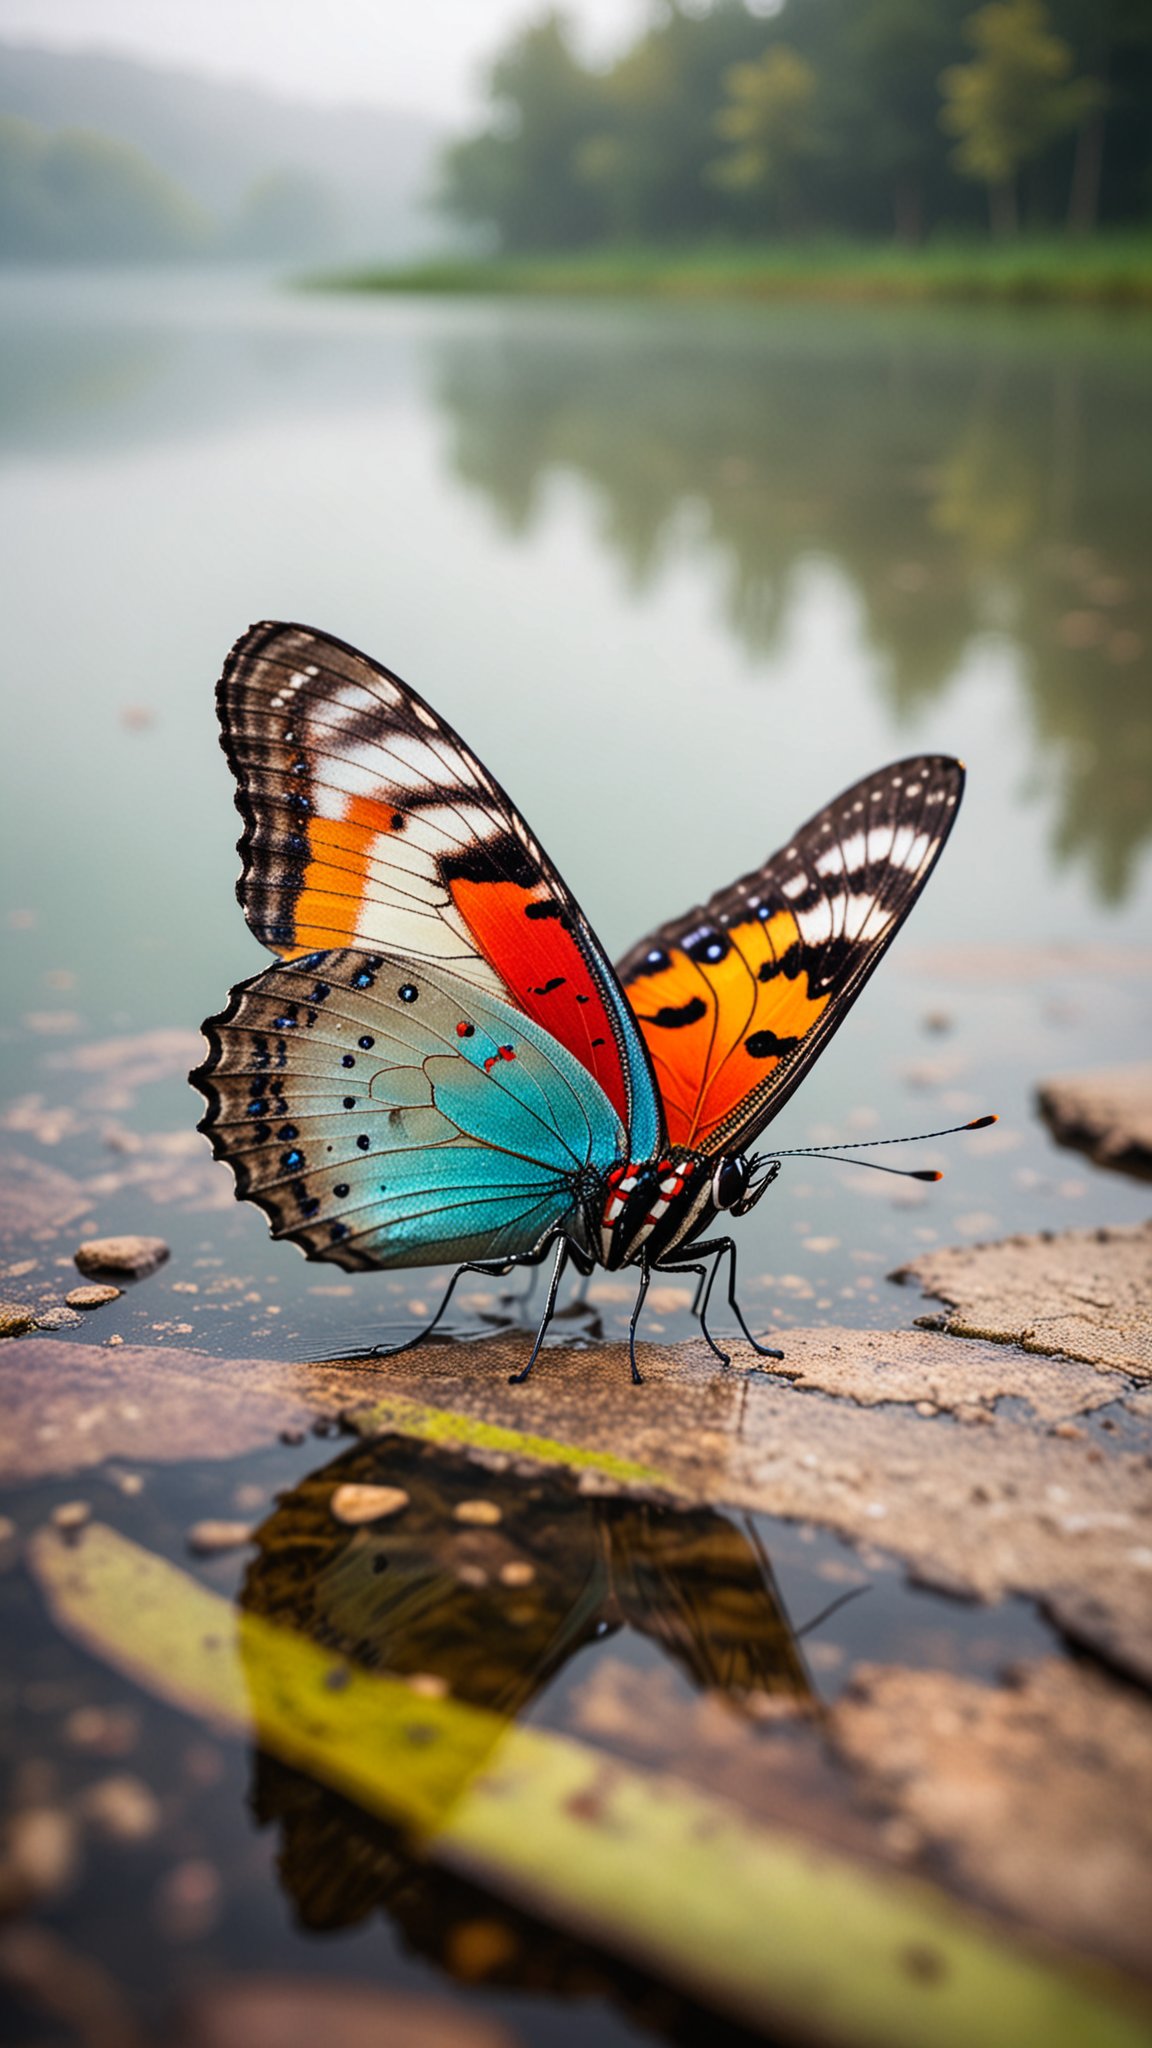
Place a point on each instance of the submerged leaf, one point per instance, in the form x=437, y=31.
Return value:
x=748, y=1919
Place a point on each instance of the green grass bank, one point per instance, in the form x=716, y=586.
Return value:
x=1103, y=270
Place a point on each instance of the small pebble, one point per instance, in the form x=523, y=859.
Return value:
x=208, y=1539
x=132, y=1255
x=123, y=1807
x=42, y=1852
x=476, y=1948
x=518, y=1573
x=353, y=1504
x=472, y=1575
x=15, y=1318
x=478, y=1513
x=291, y=1436
x=71, y=1515
x=56, y=1317
x=428, y=1685
x=188, y=1900
x=93, y=1296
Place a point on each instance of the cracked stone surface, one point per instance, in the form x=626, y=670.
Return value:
x=976, y=1503
x=1027, y=1792
x=1080, y=1294
x=1107, y=1114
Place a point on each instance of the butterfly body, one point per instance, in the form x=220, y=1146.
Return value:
x=444, y=1067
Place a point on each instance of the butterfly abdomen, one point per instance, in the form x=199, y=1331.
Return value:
x=652, y=1205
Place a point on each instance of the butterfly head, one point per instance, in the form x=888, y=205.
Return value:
x=739, y=1181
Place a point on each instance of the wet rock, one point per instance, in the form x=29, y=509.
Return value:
x=95, y=1296
x=1083, y=1294
x=287, y=2012
x=1025, y=1791
x=210, y=1539
x=1107, y=1114
x=15, y=1318
x=354, y=1505
x=134, y=1256
x=122, y=1807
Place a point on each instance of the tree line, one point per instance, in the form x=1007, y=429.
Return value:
x=864, y=117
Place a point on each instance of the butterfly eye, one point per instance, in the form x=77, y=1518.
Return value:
x=729, y=1182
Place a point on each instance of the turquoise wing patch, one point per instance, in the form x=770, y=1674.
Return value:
x=384, y=1115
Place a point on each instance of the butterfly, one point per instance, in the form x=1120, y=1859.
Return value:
x=444, y=1066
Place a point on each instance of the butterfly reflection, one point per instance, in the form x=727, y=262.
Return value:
x=493, y=1612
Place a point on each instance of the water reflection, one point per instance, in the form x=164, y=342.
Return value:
x=966, y=480
x=492, y=1606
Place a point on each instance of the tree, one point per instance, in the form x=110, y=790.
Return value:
x=770, y=121
x=1011, y=100
x=522, y=175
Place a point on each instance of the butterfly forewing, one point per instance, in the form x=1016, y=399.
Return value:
x=369, y=823
x=737, y=999
x=387, y=1115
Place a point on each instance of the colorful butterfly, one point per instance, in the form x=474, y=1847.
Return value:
x=445, y=1068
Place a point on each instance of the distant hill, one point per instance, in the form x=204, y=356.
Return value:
x=273, y=175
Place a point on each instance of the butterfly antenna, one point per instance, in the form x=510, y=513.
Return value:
x=848, y=1146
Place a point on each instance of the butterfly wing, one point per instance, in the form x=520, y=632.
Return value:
x=387, y=1115
x=369, y=823
x=737, y=999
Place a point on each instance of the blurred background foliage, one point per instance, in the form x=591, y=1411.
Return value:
x=867, y=117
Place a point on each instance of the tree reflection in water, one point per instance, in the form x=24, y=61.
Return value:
x=969, y=476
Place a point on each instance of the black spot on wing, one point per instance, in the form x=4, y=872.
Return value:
x=764, y=1045
x=673, y=1017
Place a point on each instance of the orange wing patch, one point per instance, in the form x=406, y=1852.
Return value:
x=719, y=1012
x=340, y=851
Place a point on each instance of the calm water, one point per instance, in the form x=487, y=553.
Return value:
x=679, y=575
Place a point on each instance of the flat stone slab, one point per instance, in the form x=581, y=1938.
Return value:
x=977, y=1503
x=1107, y=1114
x=1078, y=1294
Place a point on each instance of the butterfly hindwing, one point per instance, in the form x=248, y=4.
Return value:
x=368, y=823
x=737, y=999
x=384, y=1114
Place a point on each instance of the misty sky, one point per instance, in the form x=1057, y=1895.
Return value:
x=427, y=55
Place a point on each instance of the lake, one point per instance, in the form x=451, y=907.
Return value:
x=678, y=574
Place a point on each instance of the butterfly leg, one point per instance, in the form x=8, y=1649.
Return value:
x=517, y=1379
x=645, y=1276
x=704, y=1275
x=490, y=1271
x=724, y=1247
